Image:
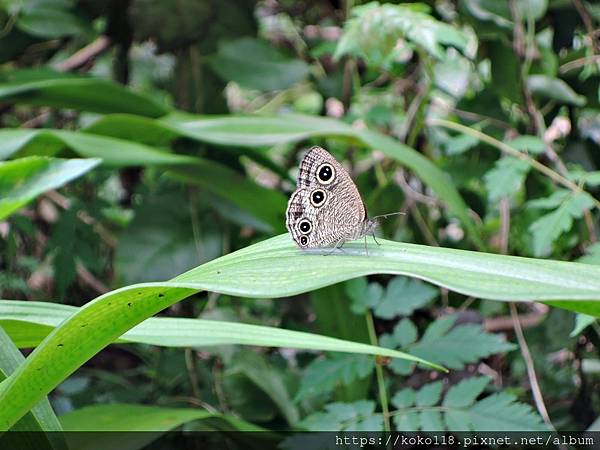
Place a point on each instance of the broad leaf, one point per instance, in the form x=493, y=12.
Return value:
x=255, y=64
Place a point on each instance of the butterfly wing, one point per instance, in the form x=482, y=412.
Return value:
x=326, y=209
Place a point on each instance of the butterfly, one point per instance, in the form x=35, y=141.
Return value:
x=326, y=208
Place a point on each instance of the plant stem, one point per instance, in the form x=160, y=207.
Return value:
x=379, y=371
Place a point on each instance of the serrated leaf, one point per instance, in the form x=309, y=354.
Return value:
x=528, y=144
x=460, y=144
x=457, y=420
x=431, y=421
x=461, y=345
x=550, y=226
x=402, y=296
x=429, y=394
x=364, y=295
x=404, y=398
x=464, y=393
x=373, y=32
x=407, y=421
x=341, y=416
x=404, y=334
x=506, y=178
x=322, y=376
x=501, y=412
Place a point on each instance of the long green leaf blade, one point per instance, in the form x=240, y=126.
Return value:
x=28, y=322
x=277, y=268
x=24, y=179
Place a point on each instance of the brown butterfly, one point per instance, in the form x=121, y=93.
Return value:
x=326, y=208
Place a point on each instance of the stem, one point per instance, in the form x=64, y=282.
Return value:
x=555, y=176
x=380, y=380
x=533, y=381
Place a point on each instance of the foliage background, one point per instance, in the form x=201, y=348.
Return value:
x=478, y=119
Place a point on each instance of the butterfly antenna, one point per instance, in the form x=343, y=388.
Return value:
x=385, y=216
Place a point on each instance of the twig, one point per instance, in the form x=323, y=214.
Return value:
x=84, y=55
x=411, y=193
x=504, y=323
x=192, y=370
x=577, y=63
x=533, y=381
x=587, y=22
x=88, y=278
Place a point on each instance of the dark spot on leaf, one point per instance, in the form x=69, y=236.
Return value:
x=218, y=272
x=83, y=325
x=60, y=345
x=139, y=293
x=129, y=304
x=161, y=295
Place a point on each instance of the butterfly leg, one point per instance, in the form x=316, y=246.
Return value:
x=366, y=249
x=339, y=244
x=374, y=238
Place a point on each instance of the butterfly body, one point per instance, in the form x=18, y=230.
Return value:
x=326, y=209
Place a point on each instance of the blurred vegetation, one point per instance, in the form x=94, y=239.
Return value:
x=479, y=119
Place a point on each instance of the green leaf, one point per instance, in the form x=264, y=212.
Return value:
x=407, y=421
x=501, y=412
x=464, y=393
x=550, y=226
x=404, y=334
x=459, y=144
x=429, y=394
x=24, y=179
x=256, y=64
x=404, y=398
x=582, y=321
x=51, y=23
x=460, y=412
x=265, y=206
x=113, y=152
x=140, y=418
x=402, y=296
x=277, y=268
x=258, y=371
x=345, y=416
x=506, y=178
x=461, y=345
x=79, y=93
x=431, y=421
x=41, y=417
x=28, y=323
x=373, y=32
x=322, y=376
x=528, y=144
x=364, y=295
x=554, y=89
